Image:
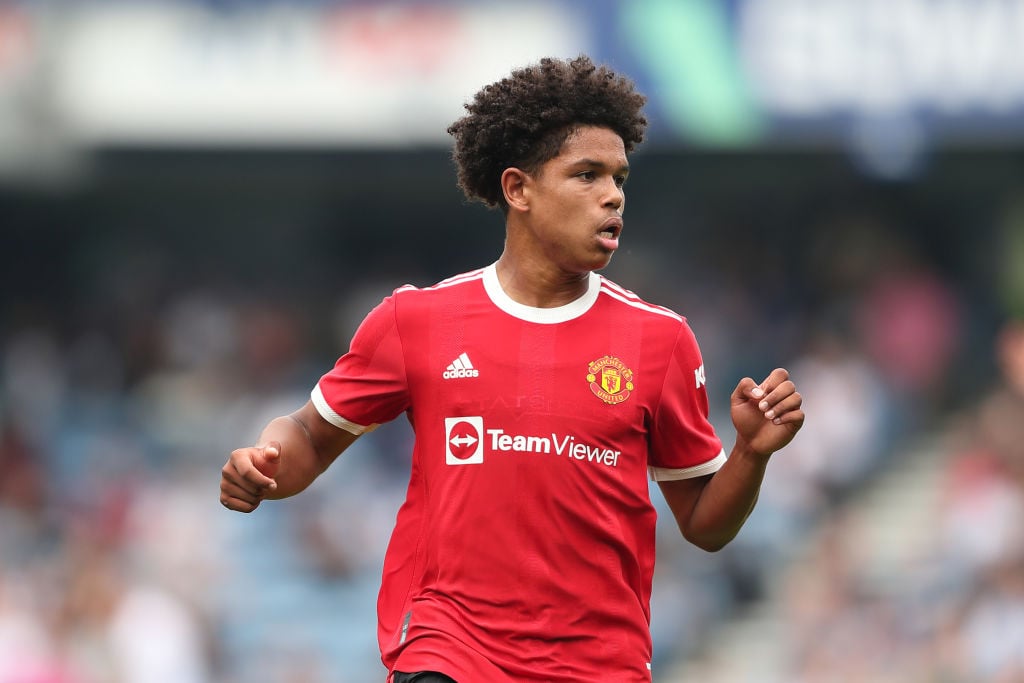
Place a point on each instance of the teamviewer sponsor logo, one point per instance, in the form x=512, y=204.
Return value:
x=466, y=440
x=460, y=367
x=464, y=443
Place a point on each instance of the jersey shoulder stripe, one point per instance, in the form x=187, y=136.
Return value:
x=627, y=297
x=447, y=282
x=471, y=276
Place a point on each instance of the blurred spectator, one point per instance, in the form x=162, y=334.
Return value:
x=981, y=525
x=910, y=322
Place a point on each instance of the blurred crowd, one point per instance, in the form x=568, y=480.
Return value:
x=118, y=565
x=920, y=578
x=939, y=596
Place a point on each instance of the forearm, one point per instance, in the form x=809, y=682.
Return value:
x=301, y=463
x=711, y=511
x=726, y=501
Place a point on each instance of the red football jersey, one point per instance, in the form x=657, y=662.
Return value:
x=525, y=548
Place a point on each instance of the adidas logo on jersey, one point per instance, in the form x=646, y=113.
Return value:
x=460, y=367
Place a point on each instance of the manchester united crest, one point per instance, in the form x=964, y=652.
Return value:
x=610, y=379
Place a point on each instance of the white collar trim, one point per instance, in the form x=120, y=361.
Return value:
x=545, y=316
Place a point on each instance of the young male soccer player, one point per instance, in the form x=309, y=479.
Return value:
x=542, y=397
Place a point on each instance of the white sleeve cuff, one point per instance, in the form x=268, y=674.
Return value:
x=709, y=467
x=327, y=412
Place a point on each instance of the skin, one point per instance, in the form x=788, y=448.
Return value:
x=556, y=214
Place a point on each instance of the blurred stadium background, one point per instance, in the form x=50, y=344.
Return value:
x=200, y=200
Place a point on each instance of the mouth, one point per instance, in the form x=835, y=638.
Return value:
x=611, y=229
x=608, y=235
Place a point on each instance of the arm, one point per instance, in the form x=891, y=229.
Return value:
x=711, y=510
x=291, y=452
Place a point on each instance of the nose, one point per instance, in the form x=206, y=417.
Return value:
x=615, y=197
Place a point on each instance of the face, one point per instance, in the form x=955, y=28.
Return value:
x=574, y=202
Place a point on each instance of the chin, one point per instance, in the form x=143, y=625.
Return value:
x=588, y=264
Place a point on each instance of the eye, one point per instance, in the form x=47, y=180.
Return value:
x=620, y=180
x=586, y=175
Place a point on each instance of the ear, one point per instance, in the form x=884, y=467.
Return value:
x=513, y=186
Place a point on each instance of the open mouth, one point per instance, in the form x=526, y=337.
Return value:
x=611, y=228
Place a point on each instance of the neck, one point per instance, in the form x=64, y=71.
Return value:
x=534, y=285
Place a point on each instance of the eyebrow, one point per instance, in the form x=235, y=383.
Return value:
x=594, y=163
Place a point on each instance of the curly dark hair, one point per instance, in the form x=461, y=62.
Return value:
x=523, y=120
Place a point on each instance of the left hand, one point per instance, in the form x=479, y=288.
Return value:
x=767, y=415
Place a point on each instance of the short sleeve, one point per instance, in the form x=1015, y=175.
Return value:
x=683, y=441
x=367, y=385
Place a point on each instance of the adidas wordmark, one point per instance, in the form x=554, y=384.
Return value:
x=461, y=367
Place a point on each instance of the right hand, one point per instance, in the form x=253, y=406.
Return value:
x=248, y=476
